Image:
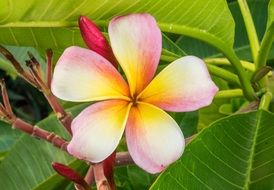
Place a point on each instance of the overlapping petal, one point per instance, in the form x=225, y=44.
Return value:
x=154, y=139
x=184, y=85
x=98, y=129
x=83, y=75
x=136, y=42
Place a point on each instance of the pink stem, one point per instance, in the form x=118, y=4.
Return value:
x=40, y=133
x=89, y=178
x=101, y=181
x=123, y=158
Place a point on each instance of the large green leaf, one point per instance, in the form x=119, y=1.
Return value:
x=236, y=152
x=28, y=163
x=53, y=24
x=258, y=9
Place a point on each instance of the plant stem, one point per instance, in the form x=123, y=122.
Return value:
x=40, y=133
x=168, y=58
x=89, y=178
x=101, y=181
x=234, y=93
x=7, y=114
x=224, y=74
x=64, y=117
x=223, y=61
x=265, y=47
x=123, y=158
x=244, y=79
x=5, y=98
x=265, y=101
x=250, y=28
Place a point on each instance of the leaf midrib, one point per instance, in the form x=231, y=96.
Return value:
x=40, y=24
x=167, y=27
x=252, y=152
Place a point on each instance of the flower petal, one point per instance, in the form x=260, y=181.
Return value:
x=97, y=130
x=95, y=39
x=154, y=139
x=83, y=75
x=184, y=85
x=136, y=42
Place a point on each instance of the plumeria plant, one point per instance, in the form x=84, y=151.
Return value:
x=144, y=95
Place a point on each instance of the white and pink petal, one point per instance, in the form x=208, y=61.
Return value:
x=184, y=85
x=153, y=138
x=83, y=75
x=97, y=130
x=136, y=43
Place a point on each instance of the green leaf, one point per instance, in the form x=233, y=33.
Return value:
x=188, y=122
x=234, y=153
x=8, y=137
x=8, y=68
x=170, y=48
x=132, y=177
x=270, y=19
x=211, y=113
x=258, y=9
x=51, y=24
x=198, y=48
x=28, y=163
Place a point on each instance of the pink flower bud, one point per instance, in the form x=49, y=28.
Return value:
x=95, y=40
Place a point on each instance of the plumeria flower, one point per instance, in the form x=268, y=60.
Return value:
x=137, y=105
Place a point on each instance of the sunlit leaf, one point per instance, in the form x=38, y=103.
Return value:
x=258, y=10
x=53, y=24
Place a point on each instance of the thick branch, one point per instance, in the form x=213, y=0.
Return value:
x=40, y=133
x=101, y=181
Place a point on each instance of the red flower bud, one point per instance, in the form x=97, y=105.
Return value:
x=95, y=39
x=69, y=174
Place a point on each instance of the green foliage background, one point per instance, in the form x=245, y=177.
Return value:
x=230, y=151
